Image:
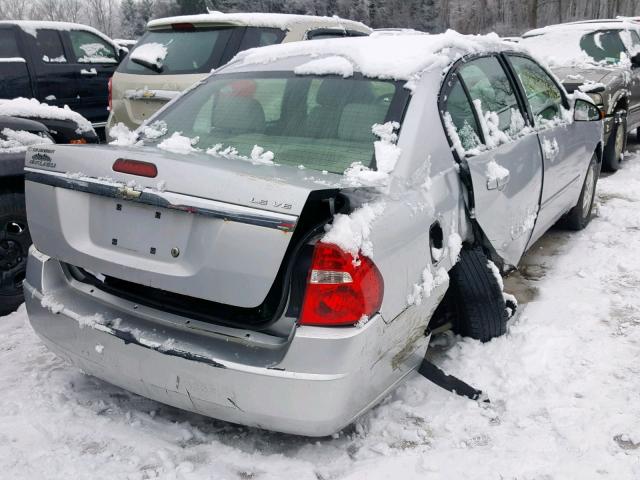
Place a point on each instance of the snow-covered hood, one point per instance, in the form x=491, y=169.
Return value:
x=578, y=76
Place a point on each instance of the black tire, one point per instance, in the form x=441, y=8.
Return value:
x=580, y=215
x=14, y=246
x=616, y=145
x=476, y=297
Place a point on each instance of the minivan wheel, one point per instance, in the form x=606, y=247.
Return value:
x=476, y=296
x=580, y=215
x=616, y=144
x=14, y=247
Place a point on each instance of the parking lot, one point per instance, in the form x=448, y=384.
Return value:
x=563, y=385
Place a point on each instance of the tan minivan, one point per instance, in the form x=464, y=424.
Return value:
x=176, y=52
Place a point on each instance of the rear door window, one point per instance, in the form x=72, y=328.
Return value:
x=492, y=94
x=90, y=48
x=8, y=44
x=49, y=47
x=188, y=51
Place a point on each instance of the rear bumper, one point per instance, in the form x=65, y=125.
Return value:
x=313, y=384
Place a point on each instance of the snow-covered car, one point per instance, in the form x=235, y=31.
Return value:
x=176, y=52
x=271, y=248
x=23, y=123
x=600, y=58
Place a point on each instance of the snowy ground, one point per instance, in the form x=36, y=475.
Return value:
x=564, y=384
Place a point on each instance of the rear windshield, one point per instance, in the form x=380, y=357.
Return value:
x=603, y=46
x=321, y=123
x=199, y=50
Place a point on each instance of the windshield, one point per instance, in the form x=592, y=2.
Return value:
x=321, y=123
x=605, y=46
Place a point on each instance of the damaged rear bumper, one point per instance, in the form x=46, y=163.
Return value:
x=314, y=383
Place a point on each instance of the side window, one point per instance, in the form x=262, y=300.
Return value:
x=492, y=94
x=8, y=44
x=459, y=116
x=544, y=96
x=89, y=48
x=49, y=47
x=261, y=37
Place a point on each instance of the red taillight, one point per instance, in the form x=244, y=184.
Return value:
x=110, y=87
x=340, y=291
x=183, y=26
x=135, y=167
x=78, y=141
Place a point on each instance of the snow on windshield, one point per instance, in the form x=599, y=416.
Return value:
x=31, y=108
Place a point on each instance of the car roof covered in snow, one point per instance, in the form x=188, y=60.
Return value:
x=583, y=26
x=32, y=26
x=273, y=20
x=392, y=57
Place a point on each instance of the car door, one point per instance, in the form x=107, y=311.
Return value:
x=634, y=84
x=94, y=60
x=55, y=79
x=564, y=151
x=14, y=70
x=499, y=156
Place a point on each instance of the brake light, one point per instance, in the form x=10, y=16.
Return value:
x=110, y=88
x=78, y=141
x=340, y=291
x=135, y=167
x=183, y=26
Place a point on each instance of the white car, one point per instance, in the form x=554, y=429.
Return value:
x=270, y=250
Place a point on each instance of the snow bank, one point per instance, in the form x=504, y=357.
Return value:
x=31, y=108
x=150, y=53
x=18, y=140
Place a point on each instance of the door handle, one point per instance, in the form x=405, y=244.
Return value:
x=91, y=72
x=498, y=183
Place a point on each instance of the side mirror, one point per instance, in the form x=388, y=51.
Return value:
x=635, y=61
x=122, y=53
x=585, y=111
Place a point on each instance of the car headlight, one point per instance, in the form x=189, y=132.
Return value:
x=597, y=99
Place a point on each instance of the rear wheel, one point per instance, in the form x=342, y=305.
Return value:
x=580, y=215
x=476, y=297
x=14, y=246
x=616, y=144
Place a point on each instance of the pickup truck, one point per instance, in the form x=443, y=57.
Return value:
x=59, y=64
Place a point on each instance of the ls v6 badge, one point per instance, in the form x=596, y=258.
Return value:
x=266, y=203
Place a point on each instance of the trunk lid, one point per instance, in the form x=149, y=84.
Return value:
x=208, y=227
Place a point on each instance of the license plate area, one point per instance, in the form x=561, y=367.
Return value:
x=144, y=230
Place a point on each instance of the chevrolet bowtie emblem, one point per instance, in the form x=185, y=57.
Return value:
x=128, y=193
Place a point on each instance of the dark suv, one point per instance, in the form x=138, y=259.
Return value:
x=59, y=64
x=601, y=58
